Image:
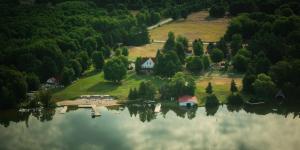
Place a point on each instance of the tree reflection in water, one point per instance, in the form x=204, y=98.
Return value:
x=146, y=113
x=12, y=115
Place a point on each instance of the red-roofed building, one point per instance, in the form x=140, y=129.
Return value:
x=187, y=100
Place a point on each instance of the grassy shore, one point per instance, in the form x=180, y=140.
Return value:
x=96, y=84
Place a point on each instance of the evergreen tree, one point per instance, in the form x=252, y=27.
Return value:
x=206, y=63
x=170, y=43
x=233, y=87
x=209, y=89
x=198, y=47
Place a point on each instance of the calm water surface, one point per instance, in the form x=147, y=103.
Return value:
x=138, y=127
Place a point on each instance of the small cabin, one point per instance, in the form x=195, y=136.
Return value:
x=148, y=63
x=187, y=101
x=52, y=81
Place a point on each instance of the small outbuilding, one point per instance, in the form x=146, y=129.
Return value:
x=187, y=101
x=52, y=81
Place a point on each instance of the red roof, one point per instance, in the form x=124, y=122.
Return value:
x=187, y=99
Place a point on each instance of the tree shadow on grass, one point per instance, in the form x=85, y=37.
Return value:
x=103, y=86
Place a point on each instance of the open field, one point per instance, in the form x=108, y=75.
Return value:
x=220, y=84
x=95, y=84
x=197, y=25
x=148, y=50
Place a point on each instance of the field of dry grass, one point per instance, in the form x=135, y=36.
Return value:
x=197, y=25
x=148, y=50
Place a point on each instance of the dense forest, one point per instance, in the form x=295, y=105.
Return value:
x=59, y=38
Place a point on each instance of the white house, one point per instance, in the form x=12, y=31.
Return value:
x=187, y=101
x=148, y=63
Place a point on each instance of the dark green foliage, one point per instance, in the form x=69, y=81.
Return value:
x=13, y=87
x=106, y=52
x=240, y=63
x=222, y=45
x=98, y=60
x=194, y=64
x=206, y=62
x=211, y=100
x=217, y=11
x=216, y=55
x=233, y=87
x=138, y=63
x=67, y=76
x=180, y=52
x=235, y=99
x=264, y=87
x=241, y=6
x=180, y=85
x=262, y=63
x=133, y=94
x=76, y=66
x=236, y=43
x=167, y=60
x=198, y=47
x=209, y=89
x=170, y=43
x=33, y=82
x=146, y=91
x=84, y=60
x=51, y=70
x=45, y=98
x=115, y=69
x=210, y=47
x=247, y=83
x=184, y=41
x=125, y=51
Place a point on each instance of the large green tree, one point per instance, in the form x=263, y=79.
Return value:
x=115, y=70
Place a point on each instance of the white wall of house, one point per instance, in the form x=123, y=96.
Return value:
x=149, y=64
x=187, y=103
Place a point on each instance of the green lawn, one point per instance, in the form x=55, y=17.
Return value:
x=95, y=84
x=220, y=83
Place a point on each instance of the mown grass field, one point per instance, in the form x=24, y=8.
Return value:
x=197, y=25
x=220, y=84
x=96, y=84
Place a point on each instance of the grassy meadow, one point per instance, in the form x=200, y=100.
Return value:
x=197, y=25
x=220, y=84
x=96, y=84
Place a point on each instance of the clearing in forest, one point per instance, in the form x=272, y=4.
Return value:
x=197, y=25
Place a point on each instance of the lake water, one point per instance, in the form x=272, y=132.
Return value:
x=138, y=127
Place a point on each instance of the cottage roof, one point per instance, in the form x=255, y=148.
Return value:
x=144, y=59
x=187, y=99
